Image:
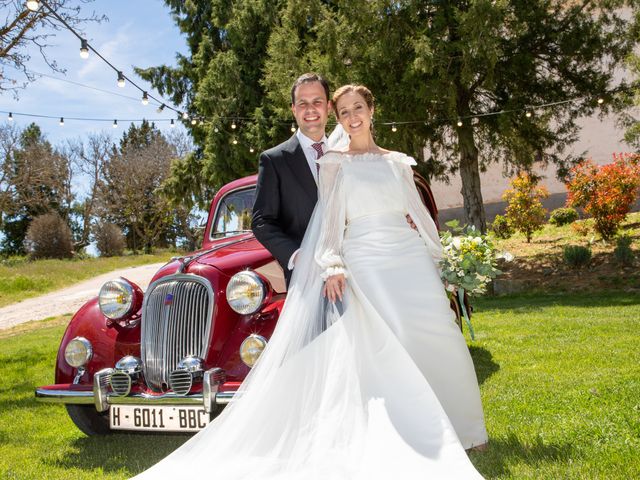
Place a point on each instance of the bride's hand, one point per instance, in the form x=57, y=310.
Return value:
x=334, y=287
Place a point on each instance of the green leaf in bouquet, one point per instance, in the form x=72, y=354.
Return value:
x=453, y=224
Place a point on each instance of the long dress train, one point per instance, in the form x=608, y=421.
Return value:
x=386, y=387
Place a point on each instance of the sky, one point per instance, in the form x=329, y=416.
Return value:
x=139, y=33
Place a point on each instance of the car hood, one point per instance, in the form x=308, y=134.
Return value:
x=232, y=255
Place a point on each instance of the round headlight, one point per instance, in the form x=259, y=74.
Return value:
x=246, y=292
x=116, y=299
x=251, y=348
x=78, y=352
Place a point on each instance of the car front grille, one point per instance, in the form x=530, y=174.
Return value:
x=176, y=322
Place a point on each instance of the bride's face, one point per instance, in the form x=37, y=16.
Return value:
x=354, y=114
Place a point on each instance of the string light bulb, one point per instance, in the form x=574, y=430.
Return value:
x=33, y=5
x=251, y=150
x=185, y=116
x=293, y=128
x=84, y=49
x=173, y=124
x=62, y=121
x=193, y=121
x=394, y=129
x=600, y=101
x=235, y=141
x=233, y=125
x=145, y=98
x=115, y=124
x=216, y=129
x=10, y=117
x=120, y=80
x=528, y=114
x=459, y=123
x=160, y=108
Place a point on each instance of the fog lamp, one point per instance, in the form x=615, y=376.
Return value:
x=251, y=348
x=78, y=352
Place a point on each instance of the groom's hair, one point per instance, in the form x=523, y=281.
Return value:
x=308, y=78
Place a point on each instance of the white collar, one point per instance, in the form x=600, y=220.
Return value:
x=306, y=142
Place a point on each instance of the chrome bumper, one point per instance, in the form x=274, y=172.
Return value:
x=101, y=398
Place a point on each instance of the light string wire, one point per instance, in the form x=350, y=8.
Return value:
x=529, y=110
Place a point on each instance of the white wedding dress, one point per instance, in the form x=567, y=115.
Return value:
x=381, y=388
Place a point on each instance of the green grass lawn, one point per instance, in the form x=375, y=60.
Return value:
x=560, y=382
x=21, y=278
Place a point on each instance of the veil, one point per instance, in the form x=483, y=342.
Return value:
x=248, y=426
x=338, y=138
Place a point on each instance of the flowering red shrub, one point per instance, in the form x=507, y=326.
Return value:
x=606, y=192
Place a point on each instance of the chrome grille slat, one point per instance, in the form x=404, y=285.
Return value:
x=171, y=332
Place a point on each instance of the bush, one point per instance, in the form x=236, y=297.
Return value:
x=110, y=241
x=525, y=212
x=501, y=227
x=623, y=253
x=606, y=192
x=563, y=216
x=576, y=256
x=49, y=236
x=581, y=228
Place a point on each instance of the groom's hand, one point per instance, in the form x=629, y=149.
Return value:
x=410, y=222
x=334, y=287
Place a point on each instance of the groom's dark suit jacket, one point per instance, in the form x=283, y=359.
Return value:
x=286, y=195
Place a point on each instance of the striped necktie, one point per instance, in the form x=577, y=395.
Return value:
x=318, y=148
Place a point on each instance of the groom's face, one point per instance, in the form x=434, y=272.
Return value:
x=311, y=109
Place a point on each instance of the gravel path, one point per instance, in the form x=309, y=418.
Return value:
x=70, y=299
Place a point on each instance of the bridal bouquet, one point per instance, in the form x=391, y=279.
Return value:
x=469, y=259
x=469, y=263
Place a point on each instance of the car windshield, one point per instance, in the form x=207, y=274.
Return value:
x=233, y=215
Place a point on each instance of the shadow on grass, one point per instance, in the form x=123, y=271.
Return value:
x=132, y=453
x=483, y=363
x=503, y=452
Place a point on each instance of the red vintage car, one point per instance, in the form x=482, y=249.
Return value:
x=171, y=358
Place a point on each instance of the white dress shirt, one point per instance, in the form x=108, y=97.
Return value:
x=311, y=155
x=309, y=152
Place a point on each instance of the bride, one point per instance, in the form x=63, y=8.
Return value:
x=381, y=387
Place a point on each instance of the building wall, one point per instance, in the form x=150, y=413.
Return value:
x=598, y=140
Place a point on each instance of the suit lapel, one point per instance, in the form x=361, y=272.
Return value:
x=298, y=164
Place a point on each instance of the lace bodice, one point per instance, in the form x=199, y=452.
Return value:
x=352, y=186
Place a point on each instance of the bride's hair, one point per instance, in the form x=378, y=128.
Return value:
x=363, y=91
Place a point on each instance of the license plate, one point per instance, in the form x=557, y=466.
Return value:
x=161, y=418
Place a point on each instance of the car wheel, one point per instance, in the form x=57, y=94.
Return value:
x=88, y=420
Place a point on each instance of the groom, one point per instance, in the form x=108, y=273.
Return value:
x=287, y=191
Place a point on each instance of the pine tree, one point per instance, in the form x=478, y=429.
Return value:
x=433, y=64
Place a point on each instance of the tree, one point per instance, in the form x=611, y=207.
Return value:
x=130, y=190
x=427, y=63
x=89, y=159
x=221, y=80
x=9, y=143
x=39, y=182
x=23, y=30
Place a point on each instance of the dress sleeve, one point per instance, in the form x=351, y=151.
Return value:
x=418, y=211
x=332, y=200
